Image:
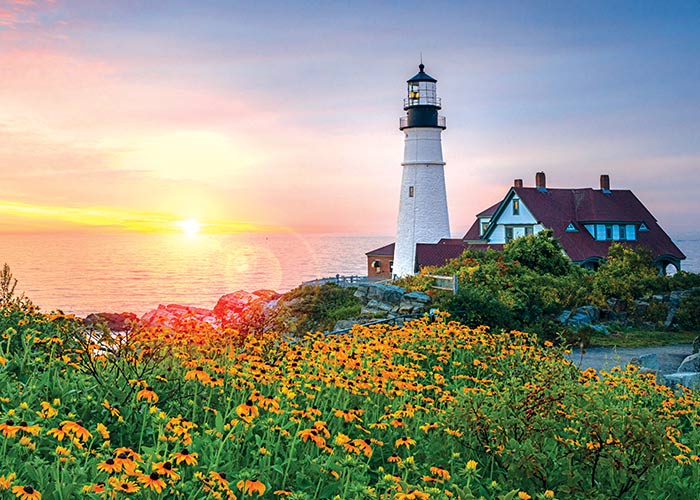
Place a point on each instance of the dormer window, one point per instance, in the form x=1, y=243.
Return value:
x=571, y=228
x=516, y=207
x=611, y=232
x=643, y=227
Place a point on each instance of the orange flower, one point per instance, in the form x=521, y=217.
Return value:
x=249, y=487
x=148, y=394
x=26, y=493
x=153, y=481
x=110, y=466
x=77, y=429
x=9, y=429
x=166, y=469
x=6, y=482
x=405, y=441
x=186, y=456
x=247, y=411
x=124, y=485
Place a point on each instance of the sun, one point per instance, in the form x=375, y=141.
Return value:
x=189, y=226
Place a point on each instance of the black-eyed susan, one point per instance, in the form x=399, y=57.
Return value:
x=440, y=472
x=110, y=466
x=152, y=481
x=9, y=429
x=76, y=429
x=405, y=441
x=94, y=488
x=186, y=456
x=166, y=469
x=148, y=394
x=26, y=493
x=6, y=481
x=124, y=484
x=249, y=486
x=220, y=478
x=247, y=411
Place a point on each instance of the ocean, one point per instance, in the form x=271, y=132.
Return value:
x=85, y=273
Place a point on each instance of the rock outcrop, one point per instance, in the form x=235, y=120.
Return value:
x=380, y=299
x=116, y=322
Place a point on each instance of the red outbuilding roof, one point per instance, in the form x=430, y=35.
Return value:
x=385, y=251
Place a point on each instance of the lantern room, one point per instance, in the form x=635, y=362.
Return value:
x=422, y=103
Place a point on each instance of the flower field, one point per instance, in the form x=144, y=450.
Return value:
x=427, y=410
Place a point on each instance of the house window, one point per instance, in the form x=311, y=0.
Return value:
x=642, y=227
x=509, y=234
x=410, y=191
x=571, y=228
x=528, y=230
x=484, y=225
x=630, y=233
x=516, y=207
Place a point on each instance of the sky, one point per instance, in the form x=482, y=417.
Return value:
x=136, y=115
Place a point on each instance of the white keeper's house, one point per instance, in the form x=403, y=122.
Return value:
x=584, y=220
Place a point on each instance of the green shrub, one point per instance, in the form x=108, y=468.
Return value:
x=688, y=314
x=540, y=252
x=476, y=306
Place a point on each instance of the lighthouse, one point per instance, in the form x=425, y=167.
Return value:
x=423, y=216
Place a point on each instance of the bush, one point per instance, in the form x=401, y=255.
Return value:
x=476, y=306
x=540, y=252
x=688, y=314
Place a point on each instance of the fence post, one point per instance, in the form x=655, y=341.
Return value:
x=455, y=284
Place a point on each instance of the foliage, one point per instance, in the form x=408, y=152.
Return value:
x=317, y=308
x=540, y=252
x=688, y=314
x=427, y=410
x=530, y=283
x=627, y=275
x=475, y=306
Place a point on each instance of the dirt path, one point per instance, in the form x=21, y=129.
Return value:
x=604, y=358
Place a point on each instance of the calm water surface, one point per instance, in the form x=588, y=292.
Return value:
x=81, y=274
x=136, y=272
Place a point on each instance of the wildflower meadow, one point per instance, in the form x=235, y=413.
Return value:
x=425, y=410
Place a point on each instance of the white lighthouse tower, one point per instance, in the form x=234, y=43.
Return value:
x=423, y=214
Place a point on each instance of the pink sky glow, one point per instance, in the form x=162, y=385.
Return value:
x=118, y=115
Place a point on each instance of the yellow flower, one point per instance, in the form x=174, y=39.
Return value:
x=471, y=465
x=524, y=496
x=549, y=494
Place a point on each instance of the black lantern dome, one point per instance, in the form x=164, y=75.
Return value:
x=422, y=103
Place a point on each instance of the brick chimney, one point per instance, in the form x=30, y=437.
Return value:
x=518, y=183
x=605, y=182
x=540, y=181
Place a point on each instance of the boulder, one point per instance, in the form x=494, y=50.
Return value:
x=585, y=315
x=690, y=380
x=389, y=294
x=413, y=302
x=690, y=364
x=232, y=303
x=116, y=322
x=168, y=316
x=646, y=361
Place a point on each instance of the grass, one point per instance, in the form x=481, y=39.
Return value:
x=642, y=338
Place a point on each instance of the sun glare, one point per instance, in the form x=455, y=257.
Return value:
x=189, y=226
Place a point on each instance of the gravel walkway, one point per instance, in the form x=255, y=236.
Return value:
x=605, y=358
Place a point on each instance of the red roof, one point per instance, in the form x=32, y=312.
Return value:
x=437, y=254
x=489, y=211
x=387, y=250
x=556, y=208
